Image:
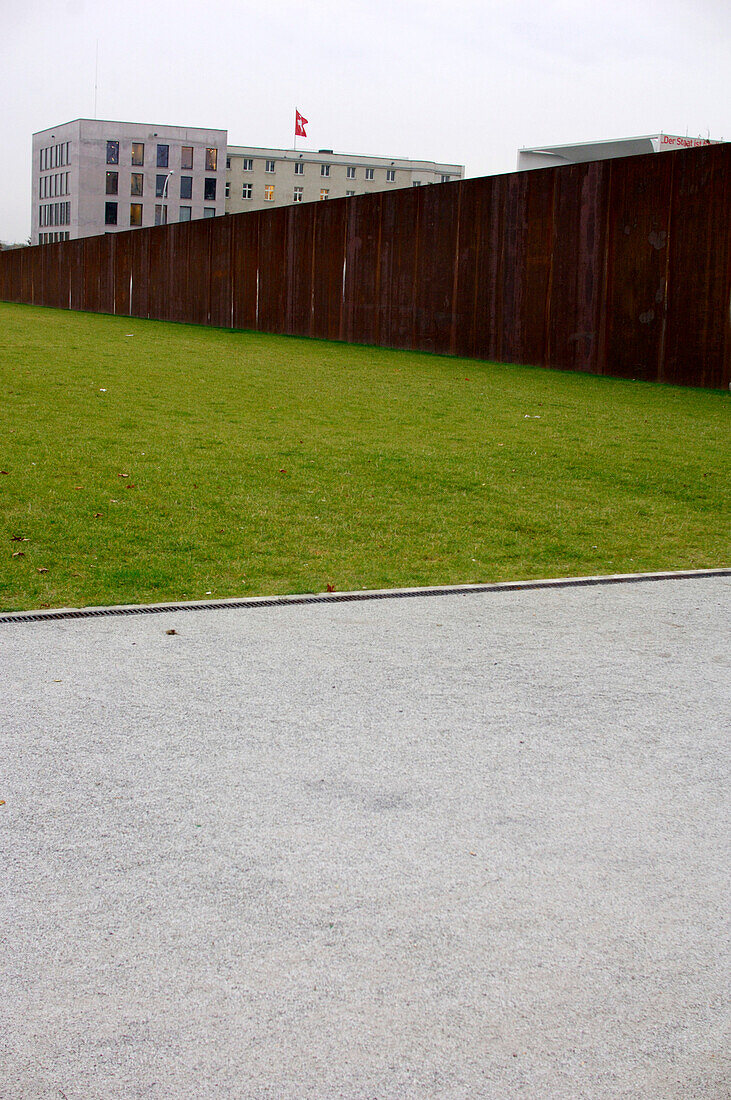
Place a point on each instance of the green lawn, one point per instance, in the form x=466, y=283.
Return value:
x=145, y=461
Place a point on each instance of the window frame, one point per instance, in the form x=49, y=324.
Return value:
x=211, y=161
x=268, y=192
x=138, y=158
x=112, y=151
x=370, y=173
x=115, y=181
x=135, y=206
x=137, y=180
x=183, y=159
x=270, y=166
x=163, y=158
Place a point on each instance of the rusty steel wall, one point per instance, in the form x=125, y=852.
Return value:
x=619, y=267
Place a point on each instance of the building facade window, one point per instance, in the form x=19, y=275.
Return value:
x=186, y=157
x=161, y=214
x=390, y=175
x=209, y=190
x=112, y=183
x=228, y=190
x=112, y=152
x=246, y=191
x=228, y=162
x=136, y=183
x=416, y=183
x=324, y=169
x=135, y=213
x=350, y=173
x=369, y=173
x=185, y=213
x=186, y=187
x=138, y=153
x=299, y=168
x=324, y=193
x=247, y=164
x=269, y=192
x=269, y=167
x=209, y=212
x=445, y=179
x=298, y=192
x=110, y=213
x=211, y=160
x=349, y=194
x=163, y=153
x=159, y=185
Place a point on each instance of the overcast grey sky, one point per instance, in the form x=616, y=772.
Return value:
x=465, y=81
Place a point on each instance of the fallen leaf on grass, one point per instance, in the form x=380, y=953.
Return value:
x=122, y=475
x=331, y=587
x=19, y=538
x=4, y=471
x=130, y=486
x=78, y=486
x=282, y=471
x=97, y=515
x=19, y=554
x=41, y=570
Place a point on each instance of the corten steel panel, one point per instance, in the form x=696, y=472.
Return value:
x=638, y=214
x=106, y=276
x=198, y=288
x=140, y=247
x=538, y=233
x=93, y=250
x=123, y=273
x=362, y=269
x=698, y=332
x=29, y=262
x=328, y=289
x=577, y=285
x=299, y=307
x=399, y=256
x=158, y=274
x=221, y=298
x=479, y=299
x=272, y=270
x=49, y=264
x=435, y=267
x=76, y=275
x=176, y=271
x=244, y=266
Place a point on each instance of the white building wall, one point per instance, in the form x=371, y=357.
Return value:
x=548, y=156
x=319, y=172
x=85, y=175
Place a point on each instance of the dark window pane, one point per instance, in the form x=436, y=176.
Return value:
x=112, y=183
x=211, y=159
x=185, y=212
x=138, y=152
x=186, y=187
x=209, y=212
x=110, y=213
x=136, y=183
x=159, y=185
x=162, y=156
x=186, y=156
x=209, y=190
x=112, y=152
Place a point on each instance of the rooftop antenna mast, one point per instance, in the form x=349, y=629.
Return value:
x=96, y=75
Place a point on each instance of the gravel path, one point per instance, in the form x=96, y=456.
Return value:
x=458, y=847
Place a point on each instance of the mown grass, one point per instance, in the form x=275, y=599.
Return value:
x=261, y=464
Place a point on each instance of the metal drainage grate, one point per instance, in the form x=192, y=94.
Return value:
x=354, y=597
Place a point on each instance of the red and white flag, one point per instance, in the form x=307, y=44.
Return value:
x=299, y=125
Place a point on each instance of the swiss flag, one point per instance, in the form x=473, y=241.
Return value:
x=299, y=125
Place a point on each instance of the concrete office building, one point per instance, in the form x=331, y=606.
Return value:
x=548, y=156
x=92, y=176
x=260, y=178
